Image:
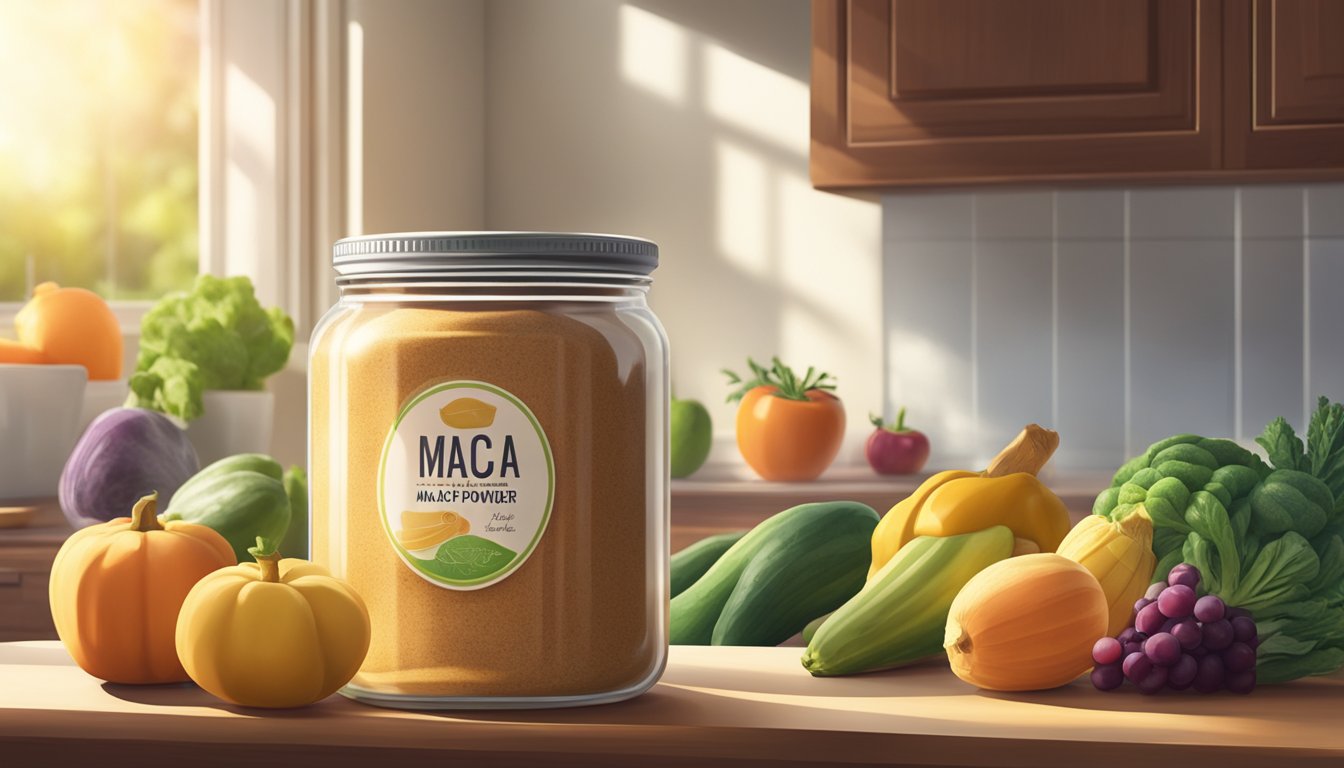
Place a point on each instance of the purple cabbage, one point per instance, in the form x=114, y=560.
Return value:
x=125, y=454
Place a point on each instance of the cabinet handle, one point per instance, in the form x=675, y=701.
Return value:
x=10, y=578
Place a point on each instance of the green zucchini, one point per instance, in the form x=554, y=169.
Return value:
x=900, y=614
x=787, y=583
x=241, y=497
x=810, y=630
x=690, y=564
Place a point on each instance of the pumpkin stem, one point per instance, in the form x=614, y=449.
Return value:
x=1028, y=452
x=267, y=558
x=145, y=514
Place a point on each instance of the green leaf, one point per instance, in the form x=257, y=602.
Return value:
x=1281, y=669
x=1128, y=469
x=1106, y=501
x=1166, y=562
x=1208, y=517
x=469, y=558
x=780, y=376
x=1325, y=445
x=1282, y=445
x=1330, y=549
x=170, y=385
x=1200, y=552
x=1282, y=572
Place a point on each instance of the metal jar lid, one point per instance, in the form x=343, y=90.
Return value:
x=412, y=254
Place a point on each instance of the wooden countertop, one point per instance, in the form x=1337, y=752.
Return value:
x=738, y=706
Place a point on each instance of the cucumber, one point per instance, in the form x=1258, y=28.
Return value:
x=794, y=580
x=900, y=616
x=783, y=542
x=242, y=462
x=690, y=564
x=241, y=497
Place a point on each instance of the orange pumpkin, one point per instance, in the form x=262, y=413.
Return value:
x=116, y=590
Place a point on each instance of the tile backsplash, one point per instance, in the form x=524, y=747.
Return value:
x=1117, y=316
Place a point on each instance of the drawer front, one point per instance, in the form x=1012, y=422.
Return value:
x=25, y=613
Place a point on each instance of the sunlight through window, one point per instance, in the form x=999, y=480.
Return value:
x=653, y=53
x=766, y=104
x=98, y=146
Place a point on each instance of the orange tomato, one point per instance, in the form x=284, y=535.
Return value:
x=72, y=326
x=14, y=352
x=786, y=439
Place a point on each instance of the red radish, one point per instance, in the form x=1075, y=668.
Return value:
x=895, y=450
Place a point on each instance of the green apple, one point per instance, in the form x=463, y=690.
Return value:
x=691, y=436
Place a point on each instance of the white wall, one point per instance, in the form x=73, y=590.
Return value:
x=1118, y=316
x=415, y=98
x=687, y=122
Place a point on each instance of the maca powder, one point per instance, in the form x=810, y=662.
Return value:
x=561, y=387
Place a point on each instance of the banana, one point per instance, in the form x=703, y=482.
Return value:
x=900, y=614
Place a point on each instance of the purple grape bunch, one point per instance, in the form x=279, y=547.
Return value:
x=1179, y=640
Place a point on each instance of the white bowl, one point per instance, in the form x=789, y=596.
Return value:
x=234, y=422
x=40, y=408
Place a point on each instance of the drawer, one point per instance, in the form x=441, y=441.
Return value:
x=25, y=613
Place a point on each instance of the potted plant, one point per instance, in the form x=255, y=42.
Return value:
x=204, y=359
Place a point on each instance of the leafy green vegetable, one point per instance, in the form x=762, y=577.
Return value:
x=780, y=376
x=217, y=336
x=1282, y=445
x=1267, y=540
x=1325, y=442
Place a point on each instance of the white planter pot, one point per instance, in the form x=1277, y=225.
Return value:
x=234, y=422
x=39, y=423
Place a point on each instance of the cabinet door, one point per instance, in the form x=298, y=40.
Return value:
x=1285, y=85
x=914, y=92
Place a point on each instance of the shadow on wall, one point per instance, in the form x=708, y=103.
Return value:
x=691, y=127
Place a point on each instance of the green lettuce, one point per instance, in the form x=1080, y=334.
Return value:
x=1266, y=537
x=216, y=336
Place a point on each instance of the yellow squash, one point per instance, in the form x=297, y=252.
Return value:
x=275, y=633
x=954, y=502
x=1120, y=555
x=1025, y=624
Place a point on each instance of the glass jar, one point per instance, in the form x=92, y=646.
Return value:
x=488, y=453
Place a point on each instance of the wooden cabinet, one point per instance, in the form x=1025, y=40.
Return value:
x=925, y=92
x=25, y=567
x=1285, y=84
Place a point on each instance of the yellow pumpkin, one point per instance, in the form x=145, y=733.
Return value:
x=957, y=501
x=116, y=589
x=1026, y=623
x=274, y=633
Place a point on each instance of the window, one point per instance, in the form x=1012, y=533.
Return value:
x=98, y=146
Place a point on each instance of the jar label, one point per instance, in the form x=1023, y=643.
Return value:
x=465, y=484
